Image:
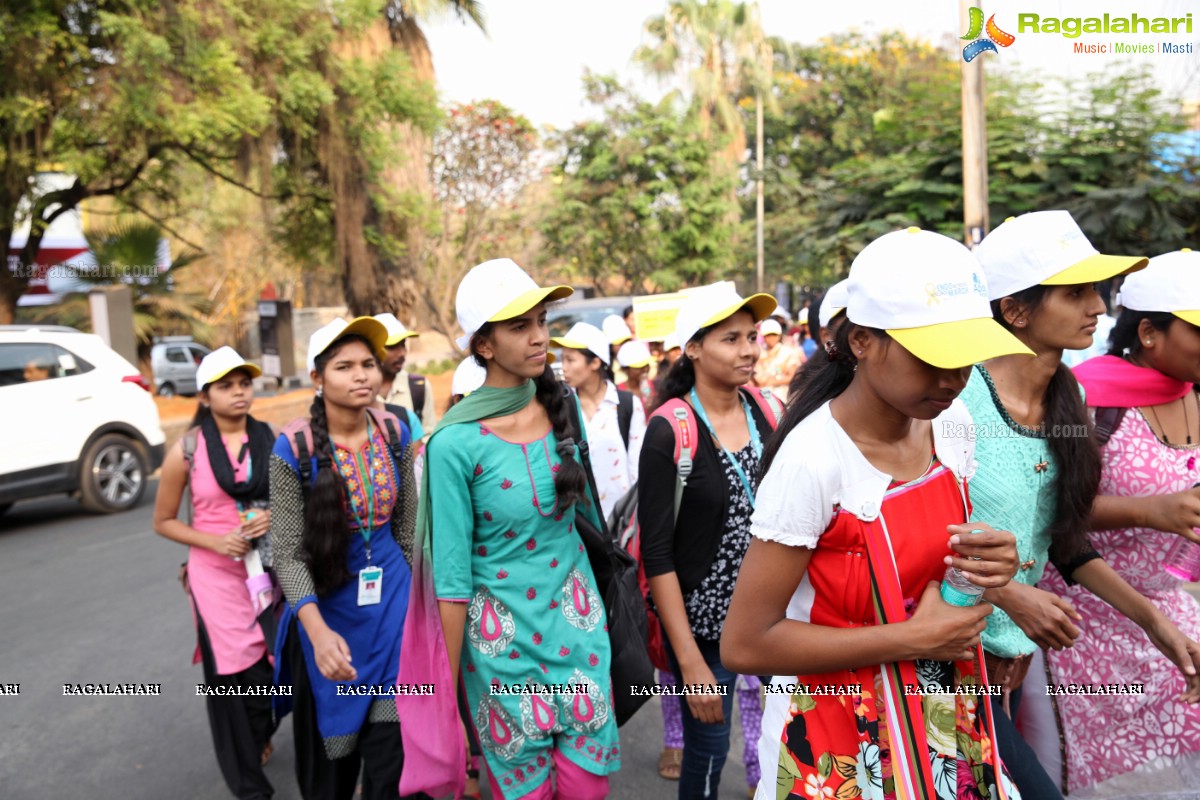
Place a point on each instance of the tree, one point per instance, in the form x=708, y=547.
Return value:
x=482, y=169
x=115, y=92
x=637, y=200
x=130, y=252
x=720, y=48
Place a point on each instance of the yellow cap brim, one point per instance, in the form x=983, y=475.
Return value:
x=370, y=329
x=570, y=344
x=639, y=365
x=1190, y=317
x=953, y=345
x=1097, y=268
x=392, y=342
x=527, y=300
x=254, y=370
x=759, y=305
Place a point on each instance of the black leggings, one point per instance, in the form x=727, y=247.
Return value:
x=241, y=726
x=379, y=753
x=1022, y=763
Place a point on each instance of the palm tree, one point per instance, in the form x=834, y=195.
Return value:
x=129, y=252
x=718, y=47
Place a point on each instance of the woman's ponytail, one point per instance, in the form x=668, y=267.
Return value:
x=326, y=531
x=571, y=482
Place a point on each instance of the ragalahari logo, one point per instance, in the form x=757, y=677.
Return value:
x=994, y=37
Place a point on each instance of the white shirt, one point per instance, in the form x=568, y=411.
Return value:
x=615, y=467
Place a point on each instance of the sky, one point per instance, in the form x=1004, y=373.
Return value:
x=535, y=52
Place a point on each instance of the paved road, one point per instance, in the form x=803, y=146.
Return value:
x=95, y=599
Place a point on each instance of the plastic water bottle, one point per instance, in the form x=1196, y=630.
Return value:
x=1184, y=561
x=957, y=590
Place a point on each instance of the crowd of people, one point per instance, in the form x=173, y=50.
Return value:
x=895, y=540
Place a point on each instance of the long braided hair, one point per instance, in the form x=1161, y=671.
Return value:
x=326, y=530
x=570, y=482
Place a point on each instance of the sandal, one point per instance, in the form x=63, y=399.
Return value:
x=670, y=763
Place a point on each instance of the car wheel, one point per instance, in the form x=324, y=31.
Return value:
x=166, y=390
x=113, y=474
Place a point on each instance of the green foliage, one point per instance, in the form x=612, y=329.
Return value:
x=867, y=140
x=128, y=252
x=641, y=197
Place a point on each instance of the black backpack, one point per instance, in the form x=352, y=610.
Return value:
x=416, y=387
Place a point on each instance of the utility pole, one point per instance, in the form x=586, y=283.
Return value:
x=758, y=201
x=974, y=144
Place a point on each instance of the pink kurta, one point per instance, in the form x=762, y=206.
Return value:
x=1154, y=733
x=218, y=582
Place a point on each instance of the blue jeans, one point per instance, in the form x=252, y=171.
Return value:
x=705, y=745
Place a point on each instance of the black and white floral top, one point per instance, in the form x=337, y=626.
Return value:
x=708, y=604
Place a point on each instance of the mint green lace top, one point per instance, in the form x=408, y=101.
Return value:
x=1013, y=490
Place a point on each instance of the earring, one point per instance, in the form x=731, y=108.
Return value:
x=860, y=352
x=320, y=391
x=1020, y=323
x=1147, y=343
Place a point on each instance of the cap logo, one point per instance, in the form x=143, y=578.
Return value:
x=977, y=286
x=936, y=291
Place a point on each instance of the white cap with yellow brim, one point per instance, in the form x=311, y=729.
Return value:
x=369, y=328
x=833, y=303
x=1171, y=283
x=616, y=329
x=221, y=362
x=396, y=331
x=583, y=336
x=930, y=295
x=715, y=303
x=497, y=290
x=1045, y=248
x=634, y=354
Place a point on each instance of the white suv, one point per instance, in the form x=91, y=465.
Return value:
x=75, y=418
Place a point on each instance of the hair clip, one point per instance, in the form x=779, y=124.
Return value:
x=831, y=350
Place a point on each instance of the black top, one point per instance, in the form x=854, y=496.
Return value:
x=688, y=547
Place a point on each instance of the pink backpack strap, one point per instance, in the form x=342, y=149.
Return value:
x=768, y=404
x=299, y=436
x=687, y=441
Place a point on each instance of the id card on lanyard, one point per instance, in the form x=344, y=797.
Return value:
x=370, y=579
x=755, y=439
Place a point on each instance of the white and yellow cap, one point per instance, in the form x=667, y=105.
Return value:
x=468, y=377
x=634, y=354
x=221, y=362
x=1045, y=248
x=715, y=303
x=396, y=331
x=833, y=303
x=930, y=294
x=770, y=326
x=497, y=290
x=616, y=330
x=1171, y=283
x=583, y=336
x=671, y=342
x=369, y=328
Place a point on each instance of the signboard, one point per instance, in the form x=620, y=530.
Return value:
x=654, y=315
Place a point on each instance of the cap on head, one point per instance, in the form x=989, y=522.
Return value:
x=221, y=362
x=1170, y=283
x=497, y=290
x=468, y=377
x=369, y=328
x=583, y=336
x=633, y=355
x=1045, y=248
x=715, y=303
x=615, y=330
x=671, y=342
x=833, y=303
x=396, y=332
x=930, y=294
x=770, y=327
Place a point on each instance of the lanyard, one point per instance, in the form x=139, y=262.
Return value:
x=755, y=440
x=365, y=529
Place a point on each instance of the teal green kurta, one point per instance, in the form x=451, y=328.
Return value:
x=534, y=618
x=1013, y=490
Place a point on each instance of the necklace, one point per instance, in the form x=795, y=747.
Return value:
x=1187, y=426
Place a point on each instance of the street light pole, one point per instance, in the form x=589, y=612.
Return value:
x=974, y=144
x=758, y=201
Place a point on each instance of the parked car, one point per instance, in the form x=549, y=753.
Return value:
x=592, y=310
x=173, y=360
x=78, y=419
